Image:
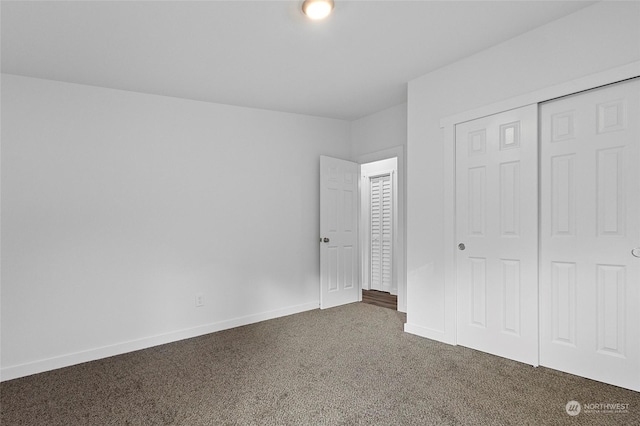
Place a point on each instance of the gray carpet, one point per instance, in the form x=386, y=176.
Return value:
x=351, y=365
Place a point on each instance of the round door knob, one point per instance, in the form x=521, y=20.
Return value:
x=636, y=252
x=325, y=240
x=461, y=246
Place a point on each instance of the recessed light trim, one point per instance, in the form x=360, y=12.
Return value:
x=317, y=9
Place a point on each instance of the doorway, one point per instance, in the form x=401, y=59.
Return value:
x=333, y=279
x=379, y=211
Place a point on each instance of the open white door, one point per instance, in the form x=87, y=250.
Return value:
x=590, y=235
x=497, y=231
x=339, y=283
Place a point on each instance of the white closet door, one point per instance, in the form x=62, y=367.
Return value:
x=381, y=232
x=590, y=207
x=497, y=228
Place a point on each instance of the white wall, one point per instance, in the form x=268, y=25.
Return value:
x=594, y=39
x=377, y=137
x=119, y=207
x=380, y=131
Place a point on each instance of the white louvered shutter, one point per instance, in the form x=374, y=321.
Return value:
x=381, y=232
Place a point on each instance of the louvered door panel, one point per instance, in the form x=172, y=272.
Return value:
x=385, y=211
x=381, y=232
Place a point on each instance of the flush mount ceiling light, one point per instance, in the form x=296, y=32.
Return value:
x=317, y=9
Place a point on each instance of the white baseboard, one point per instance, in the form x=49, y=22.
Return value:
x=428, y=333
x=40, y=366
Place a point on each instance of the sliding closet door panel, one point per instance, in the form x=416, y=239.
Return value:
x=497, y=231
x=590, y=222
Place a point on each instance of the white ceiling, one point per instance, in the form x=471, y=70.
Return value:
x=261, y=54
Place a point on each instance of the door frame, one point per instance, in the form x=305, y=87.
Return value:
x=400, y=235
x=613, y=75
x=365, y=217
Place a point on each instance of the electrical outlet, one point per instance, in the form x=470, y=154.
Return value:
x=199, y=300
